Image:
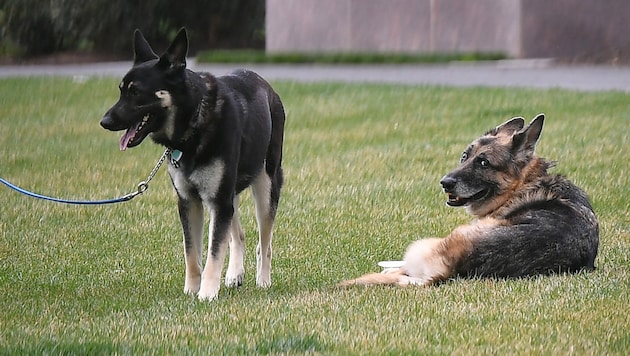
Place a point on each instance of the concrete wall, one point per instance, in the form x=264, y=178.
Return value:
x=567, y=28
x=518, y=28
x=475, y=26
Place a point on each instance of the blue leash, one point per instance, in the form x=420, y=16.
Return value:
x=142, y=187
x=65, y=201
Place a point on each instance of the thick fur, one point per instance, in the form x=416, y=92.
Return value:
x=528, y=221
x=226, y=134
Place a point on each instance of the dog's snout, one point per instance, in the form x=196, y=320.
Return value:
x=106, y=121
x=448, y=183
x=109, y=121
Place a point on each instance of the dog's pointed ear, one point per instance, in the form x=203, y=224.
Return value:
x=175, y=56
x=509, y=127
x=526, y=139
x=142, y=51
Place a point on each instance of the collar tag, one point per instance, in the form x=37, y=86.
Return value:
x=176, y=155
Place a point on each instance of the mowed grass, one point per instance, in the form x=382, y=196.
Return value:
x=362, y=165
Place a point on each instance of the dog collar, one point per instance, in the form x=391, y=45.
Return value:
x=176, y=155
x=201, y=110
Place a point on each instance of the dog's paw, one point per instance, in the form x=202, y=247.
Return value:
x=190, y=291
x=263, y=273
x=208, y=296
x=263, y=281
x=235, y=274
x=191, y=286
x=209, y=291
x=233, y=280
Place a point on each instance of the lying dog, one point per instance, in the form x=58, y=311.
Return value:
x=528, y=222
x=226, y=134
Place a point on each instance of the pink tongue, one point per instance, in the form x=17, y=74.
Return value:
x=128, y=136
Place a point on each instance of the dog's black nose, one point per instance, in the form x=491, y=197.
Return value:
x=448, y=183
x=108, y=122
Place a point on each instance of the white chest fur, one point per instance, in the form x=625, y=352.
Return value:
x=204, y=181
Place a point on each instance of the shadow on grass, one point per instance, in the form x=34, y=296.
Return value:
x=279, y=344
x=49, y=347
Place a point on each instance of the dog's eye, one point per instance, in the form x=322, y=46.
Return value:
x=484, y=162
x=464, y=157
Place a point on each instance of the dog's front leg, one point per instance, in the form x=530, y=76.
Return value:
x=220, y=218
x=191, y=217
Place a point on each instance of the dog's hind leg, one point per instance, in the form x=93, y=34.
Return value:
x=236, y=270
x=261, y=190
x=191, y=216
x=266, y=191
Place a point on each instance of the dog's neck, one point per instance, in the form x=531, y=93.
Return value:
x=175, y=155
x=193, y=116
x=536, y=168
x=534, y=172
x=200, y=112
x=202, y=90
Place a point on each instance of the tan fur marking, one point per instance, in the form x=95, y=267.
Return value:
x=519, y=193
x=502, y=202
x=521, y=182
x=372, y=279
x=430, y=260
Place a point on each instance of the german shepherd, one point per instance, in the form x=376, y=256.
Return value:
x=528, y=221
x=226, y=135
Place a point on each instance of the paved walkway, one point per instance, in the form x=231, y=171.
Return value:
x=510, y=73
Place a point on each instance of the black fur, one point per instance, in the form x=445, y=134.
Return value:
x=528, y=222
x=229, y=131
x=546, y=223
x=545, y=236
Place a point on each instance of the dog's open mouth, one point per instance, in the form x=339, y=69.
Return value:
x=134, y=135
x=454, y=200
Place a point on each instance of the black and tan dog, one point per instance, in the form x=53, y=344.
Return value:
x=226, y=134
x=528, y=221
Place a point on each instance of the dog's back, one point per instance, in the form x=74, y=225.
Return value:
x=253, y=95
x=548, y=226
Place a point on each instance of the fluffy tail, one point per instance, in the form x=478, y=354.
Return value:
x=395, y=277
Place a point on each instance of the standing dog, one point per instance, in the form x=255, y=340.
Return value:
x=528, y=221
x=226, y=134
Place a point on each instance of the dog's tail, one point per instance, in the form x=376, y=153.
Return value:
x=394, y=278
x=274, y=152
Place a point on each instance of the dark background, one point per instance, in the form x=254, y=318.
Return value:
x=39, y=28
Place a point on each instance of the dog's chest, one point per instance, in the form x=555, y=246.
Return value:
x=202, y=181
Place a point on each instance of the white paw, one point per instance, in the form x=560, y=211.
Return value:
x=263, y=272
x=263, y=281
x=191, y=286
x=208, y=294
x=234, y=279
x=407, y=281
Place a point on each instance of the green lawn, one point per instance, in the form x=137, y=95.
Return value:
x=362, y=165
x=260, y=56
